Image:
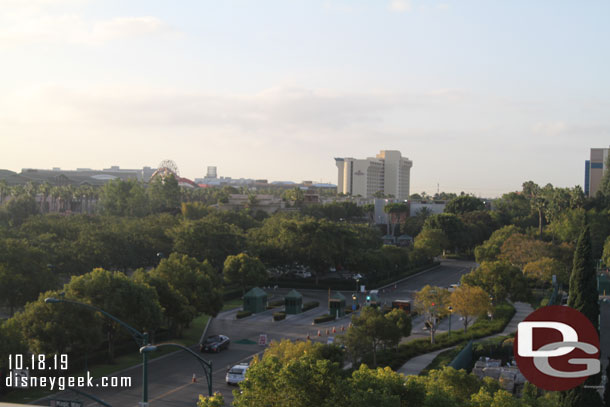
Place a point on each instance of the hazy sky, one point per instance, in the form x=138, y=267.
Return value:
x=482, y=95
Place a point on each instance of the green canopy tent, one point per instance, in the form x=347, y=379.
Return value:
x=255, y=300
x=293, y=302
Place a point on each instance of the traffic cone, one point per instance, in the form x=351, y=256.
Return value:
x=327, y=331
x=342, y=328
x=319, y=334
x=308, y=336
x=194, y=378
x=334, y=330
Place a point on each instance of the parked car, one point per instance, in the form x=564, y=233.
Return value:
x=303, y=274
x=237, y=373
x=215, y=343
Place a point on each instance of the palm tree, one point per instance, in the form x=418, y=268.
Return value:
x=44, y=190
x=4, y=190
x=56, y=197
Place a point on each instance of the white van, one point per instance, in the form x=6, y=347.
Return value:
x=237, y=373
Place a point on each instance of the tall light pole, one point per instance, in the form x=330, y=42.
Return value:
x=140, y=338
x=450, y=313
x=206, y=365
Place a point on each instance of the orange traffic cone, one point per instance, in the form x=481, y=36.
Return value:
x=334, y=330
x=194, y=378
x=319, y=334
x=342, y=328
x=326, y=331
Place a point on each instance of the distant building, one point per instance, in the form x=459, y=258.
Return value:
x=595, y=168
x=388, y=173
x=82, y=176
x=211, y=173
x=143, y=175
x=434, y=207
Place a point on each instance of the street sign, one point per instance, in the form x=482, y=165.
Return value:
x=66, y=403
x=330, y=340
x=262, y=339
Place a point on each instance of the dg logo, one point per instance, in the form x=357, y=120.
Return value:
x=556, y=348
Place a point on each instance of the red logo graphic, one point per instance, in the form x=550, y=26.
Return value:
x=556, y=348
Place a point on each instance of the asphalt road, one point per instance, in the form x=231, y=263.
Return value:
x=170, y=377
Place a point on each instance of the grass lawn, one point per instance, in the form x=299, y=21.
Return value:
x=232, y=304
x=442, y=359
x=190, y=337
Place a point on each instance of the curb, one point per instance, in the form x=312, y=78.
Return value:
x=408, y=277
x=205, y=330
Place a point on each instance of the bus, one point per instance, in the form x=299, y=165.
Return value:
x=404, y=305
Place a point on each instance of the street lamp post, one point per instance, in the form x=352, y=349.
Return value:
x=140, y=338
x=206, y=365
x=450, y=313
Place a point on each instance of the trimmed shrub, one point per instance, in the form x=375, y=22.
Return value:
x=323, y=318
x=243, y=314
x=310, y=305
x=278, y=316
x=482, y=327
x=276, y=303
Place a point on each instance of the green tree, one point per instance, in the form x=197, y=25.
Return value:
x=244, y=271
x=20, y=208
x=469, y=302
x=12, y=342
x=216, y=400
x=124, y=198
x=453, y=228
x=197, y=281
x=164, y=194
x=463, y=204
x=542, y=271
x=513, y=209
x=490, y=249
x=432, y=303
x=583, y=294
x=135, y=303
x=300, y=382
x=372, y=329
x=59, y=328
x=539, y=200
x=207, y=239
x=23, y=273
x=500, y=279
x=431, y=241
x=177, y=310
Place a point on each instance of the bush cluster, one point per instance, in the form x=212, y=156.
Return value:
x=323, y=318
x=242, y=314
x=278, y=316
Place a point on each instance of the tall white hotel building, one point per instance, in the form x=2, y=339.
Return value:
x=388, y=172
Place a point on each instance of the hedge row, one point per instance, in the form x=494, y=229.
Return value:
x=310, y=305
x=276, y=303
x=243, y=314
x=482, y=327
x=347, y=284
x=323, y=318
x=278, y=316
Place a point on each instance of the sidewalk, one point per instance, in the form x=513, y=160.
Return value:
x=415, y=365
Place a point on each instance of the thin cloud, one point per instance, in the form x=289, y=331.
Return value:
x=30, y=22
x=400, y=6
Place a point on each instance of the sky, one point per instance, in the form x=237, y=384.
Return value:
x=482, y=95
